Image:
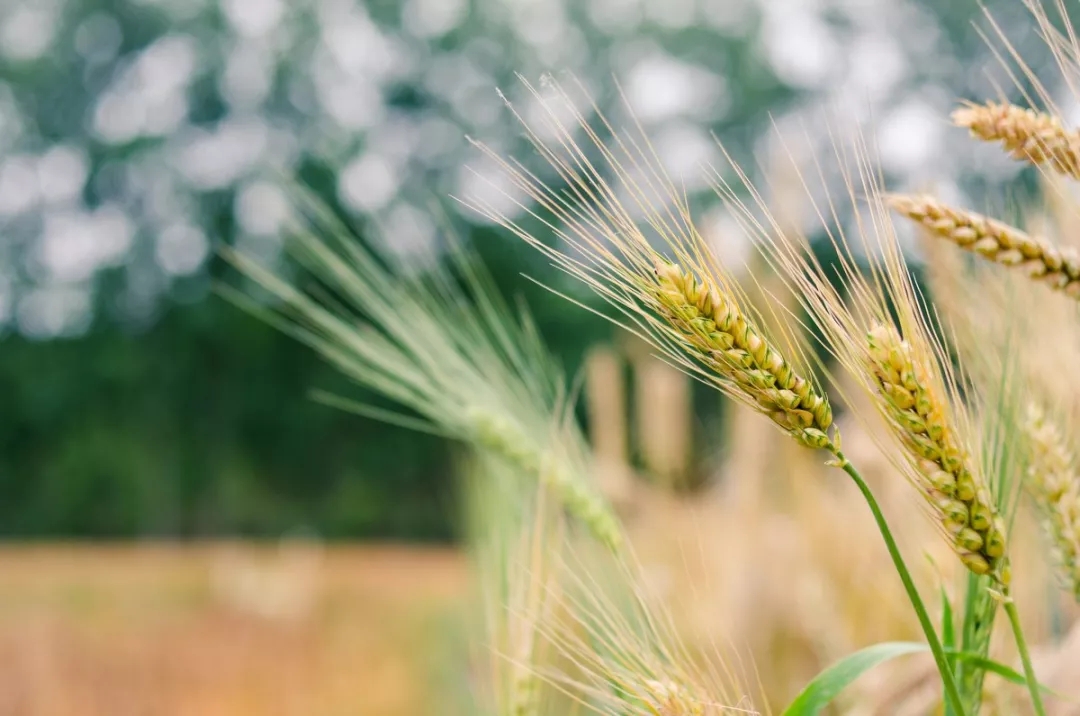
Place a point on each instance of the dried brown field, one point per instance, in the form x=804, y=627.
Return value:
x=221, y=630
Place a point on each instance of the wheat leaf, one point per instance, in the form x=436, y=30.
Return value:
x=825, y=687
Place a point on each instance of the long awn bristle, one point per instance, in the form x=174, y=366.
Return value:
x=1026, y=134
x=954, y=490
x=1058, y=268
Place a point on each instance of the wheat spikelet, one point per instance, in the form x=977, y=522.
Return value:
x=731, y=345
x=1058, y=268
x=954, y=490
x=1025, y=134
x=1054, y=482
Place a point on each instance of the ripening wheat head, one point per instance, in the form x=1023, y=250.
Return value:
x=1037, y=137
x=919, y=415
x=456, y=357
x=878, y=328
x=1037, y=258
x=1038, y=333
x=627, y=232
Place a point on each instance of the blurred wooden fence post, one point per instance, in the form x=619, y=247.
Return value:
x=663, y=417
x=606, y=403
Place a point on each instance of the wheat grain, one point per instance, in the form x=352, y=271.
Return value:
x=732, y=346
x=953, y=489
x=1054, y=482
x=1037, y=137
x=1058, y=268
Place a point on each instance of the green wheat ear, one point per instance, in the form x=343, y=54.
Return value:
x=443, y=345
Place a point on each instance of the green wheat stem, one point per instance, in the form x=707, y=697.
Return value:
x=1025, y=657
x=952, y=693
x=979, y=612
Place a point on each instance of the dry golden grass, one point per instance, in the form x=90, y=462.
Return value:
x=120, y=630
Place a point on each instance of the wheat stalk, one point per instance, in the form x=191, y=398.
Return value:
x=514, y=538
x=1054, y=482
x=1026, y=134
x=1040, y=260
x=954, y=490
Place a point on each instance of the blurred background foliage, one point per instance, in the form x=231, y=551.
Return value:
x=135, y=135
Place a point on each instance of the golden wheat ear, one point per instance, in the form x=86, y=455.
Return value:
x=627, y=232
x=1057, y=267
x=1026, y=134
x=732, y=346
x=964, y=506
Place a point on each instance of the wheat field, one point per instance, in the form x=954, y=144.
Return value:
x=221, y=629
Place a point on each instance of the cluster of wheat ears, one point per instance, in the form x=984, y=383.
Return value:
x=968, y=387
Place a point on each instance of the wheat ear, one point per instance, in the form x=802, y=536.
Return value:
x=1054, y=482
x=955, y=492
x=1025, y=134
x=729, y=343
x=1057, y=267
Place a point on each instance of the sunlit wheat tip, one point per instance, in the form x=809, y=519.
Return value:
x=1054, y=483
x=963, y=505
x=732, y=346
x=1057, y=267
x=1025, y=134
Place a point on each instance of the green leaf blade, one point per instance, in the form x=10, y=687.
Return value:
x=827, y=685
